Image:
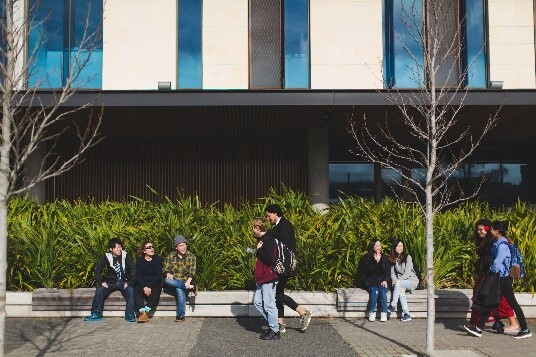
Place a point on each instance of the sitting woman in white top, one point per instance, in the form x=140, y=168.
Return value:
x=403, y=277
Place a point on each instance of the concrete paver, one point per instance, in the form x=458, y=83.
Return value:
x=240, y=337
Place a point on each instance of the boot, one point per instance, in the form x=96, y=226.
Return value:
x=143, y=317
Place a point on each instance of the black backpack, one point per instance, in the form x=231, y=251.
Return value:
x=417, y=271
x=285, y=262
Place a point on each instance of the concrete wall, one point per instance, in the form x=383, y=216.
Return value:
x=240, y=303
x=511, y=43
x=225, y=44
x=346, y=44
x=140, y=44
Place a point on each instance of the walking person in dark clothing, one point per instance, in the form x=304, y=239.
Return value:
x=266, y=280
x=148, y=281
x=284, y=231
x=501, y=265
x=120, y=275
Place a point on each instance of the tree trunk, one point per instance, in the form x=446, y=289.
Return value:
x=430, y=286
x=3, y=272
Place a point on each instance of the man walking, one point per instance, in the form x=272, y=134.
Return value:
x=120, y=275
x=284, y=232
x=179, y=270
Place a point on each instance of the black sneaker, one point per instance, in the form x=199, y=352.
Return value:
x=271, y=335
x=497, y=326
x=180, y=318
x=473, y=330
x=523, y=334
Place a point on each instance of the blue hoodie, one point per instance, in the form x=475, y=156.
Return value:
x=501, y=257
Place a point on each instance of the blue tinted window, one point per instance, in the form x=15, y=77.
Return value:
x=86, y=52
x=61, y=45
x=351, y=180
x=296, y=25
x=475, y=51
x=46, y=44
x=190, y=66
x=403, y=52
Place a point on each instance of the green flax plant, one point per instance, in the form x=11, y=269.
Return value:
x=59, y=243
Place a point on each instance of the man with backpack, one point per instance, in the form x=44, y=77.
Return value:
x=284, y=231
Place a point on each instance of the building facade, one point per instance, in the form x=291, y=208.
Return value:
x=225, y=99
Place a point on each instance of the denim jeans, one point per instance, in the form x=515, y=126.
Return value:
x=102, y=293
x=374, y=291
x=399, y=292
x=264, y=301
x=180, y=288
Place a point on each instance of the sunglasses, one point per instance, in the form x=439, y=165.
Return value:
x=149, y=247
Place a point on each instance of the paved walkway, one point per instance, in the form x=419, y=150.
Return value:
x=239, y=337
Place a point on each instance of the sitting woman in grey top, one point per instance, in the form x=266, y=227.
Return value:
x=403, y=277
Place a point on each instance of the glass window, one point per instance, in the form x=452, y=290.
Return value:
x=391, y=184
x=351, y=179
x=86, y=51
x=474, y=56
x=296, y=25
x=61, y=45
x=47, y=44
x=190, y=68
x=403, y=52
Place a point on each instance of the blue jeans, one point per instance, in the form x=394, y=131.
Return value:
x=399, y=292
x=264, y=301
x=180, y=289
x=102, y=293
x=374, y=291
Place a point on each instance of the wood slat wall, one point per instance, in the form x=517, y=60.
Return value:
x=215, y=171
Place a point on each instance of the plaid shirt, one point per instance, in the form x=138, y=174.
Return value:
x=181, y=268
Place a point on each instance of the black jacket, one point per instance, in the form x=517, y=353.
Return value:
x=375, y=273
x=284, y=232
x=488, y=293
x=128, y=271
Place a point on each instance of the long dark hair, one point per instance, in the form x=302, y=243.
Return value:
x=370, y=250
x=501, y=226
x=394, y=256
x=487, y=227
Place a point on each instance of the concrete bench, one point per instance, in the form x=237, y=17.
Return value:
x=449, y=303
x=77, y=302
x=345, y=303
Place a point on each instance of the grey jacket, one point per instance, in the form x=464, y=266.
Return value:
x=404, y=271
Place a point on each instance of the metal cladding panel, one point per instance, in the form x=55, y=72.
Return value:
x=223, y=172
x=265, y=43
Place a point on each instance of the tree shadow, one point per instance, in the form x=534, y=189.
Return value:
x=360, y=325
x=45, y=335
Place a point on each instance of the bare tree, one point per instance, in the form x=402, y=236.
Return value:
x=426, y=141
x=32, y=121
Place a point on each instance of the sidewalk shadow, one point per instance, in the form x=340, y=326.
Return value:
x=360, y=325
x=46, y=336
x=252, y=324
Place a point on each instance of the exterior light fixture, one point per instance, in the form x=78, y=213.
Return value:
x=164, y=85
x=496, y=84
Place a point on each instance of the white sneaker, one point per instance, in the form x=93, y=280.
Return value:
x=372, y=316
x=383, y=317
x=282, y=328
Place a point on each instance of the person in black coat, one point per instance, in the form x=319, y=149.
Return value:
x=284, y=231
x=377, y=273
x=148, y=281
x=120, y=275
